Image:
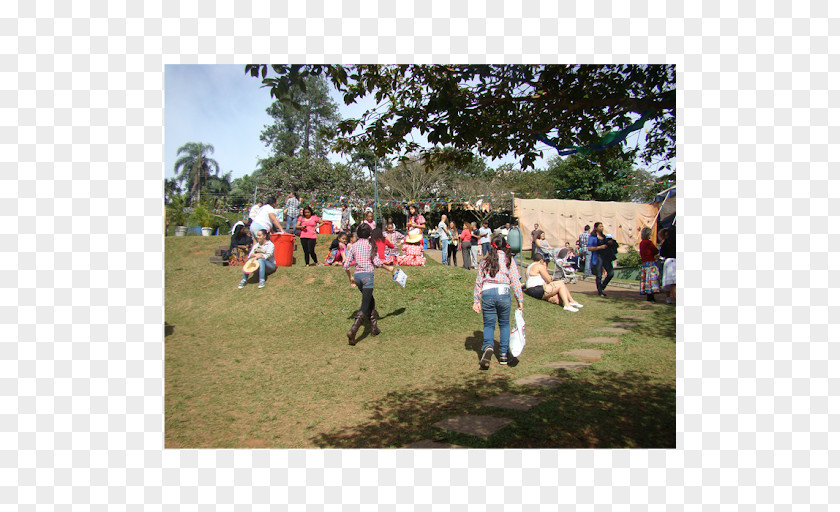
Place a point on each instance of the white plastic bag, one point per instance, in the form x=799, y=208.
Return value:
x=400, y=277
x=517, y=336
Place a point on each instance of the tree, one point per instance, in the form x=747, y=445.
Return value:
x=495, y=110
x=410, y=181
x=217, y=188
x=578, y=177
x=195, y=166
x=301, y=120
x=309, y=176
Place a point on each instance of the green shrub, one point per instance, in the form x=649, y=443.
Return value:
x=202, y=217
x=631, y=258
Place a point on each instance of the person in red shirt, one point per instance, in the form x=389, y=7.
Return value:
x=378, y=237
x=465, y=237
x=649, y=277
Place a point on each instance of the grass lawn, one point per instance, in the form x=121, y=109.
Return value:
x=272, y=368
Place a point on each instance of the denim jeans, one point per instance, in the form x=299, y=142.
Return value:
x=444, y=248
x=587, y=271
x=291, y=221
x=597, y=268
x=264, y=264
x=495, y=306
x=485, y=247
x=364, y=282
x=256, y=226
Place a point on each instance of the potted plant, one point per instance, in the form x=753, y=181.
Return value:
x=175, y=215
x=204, y=218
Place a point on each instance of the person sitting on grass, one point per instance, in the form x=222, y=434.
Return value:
x=396, y=238
x=337, y=248
x=263, y=254
x=540, y=286
x=413, y=249
x=382, y=244
x=240, y=239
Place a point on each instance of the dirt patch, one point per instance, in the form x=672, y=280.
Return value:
x=255, y=443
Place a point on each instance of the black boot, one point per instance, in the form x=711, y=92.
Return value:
x=351, y=334
x=374, y=316
x=651, y=298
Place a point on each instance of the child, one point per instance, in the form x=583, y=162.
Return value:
x=491, y=297
x=413, y=249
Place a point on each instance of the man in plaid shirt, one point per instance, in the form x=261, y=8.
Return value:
x=292, y=210
x=583, y=240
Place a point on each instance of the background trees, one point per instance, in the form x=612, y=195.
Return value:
x=195, y=166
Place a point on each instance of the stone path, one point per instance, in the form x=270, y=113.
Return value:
x=600, y=339
x=513, y=402
x=480, y=426
x=486, y=426
x=539, y=380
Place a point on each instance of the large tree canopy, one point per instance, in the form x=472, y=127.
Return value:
x=494, y=110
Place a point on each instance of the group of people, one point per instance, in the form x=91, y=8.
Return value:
x=651, y=279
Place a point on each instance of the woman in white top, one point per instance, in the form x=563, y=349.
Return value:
x=540, y=286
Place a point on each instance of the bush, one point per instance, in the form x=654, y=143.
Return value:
x=202, y=217
x=631, y=258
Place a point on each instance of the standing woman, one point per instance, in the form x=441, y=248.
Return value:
x=308, y=224
x=600, y=261
x=363, y=255
x=669, y=268
x=452, y=247
x=466, y=236
x=491, y=297
x=649, y=277
x=416, y=223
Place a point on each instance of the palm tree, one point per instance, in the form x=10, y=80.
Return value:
x=195, y=166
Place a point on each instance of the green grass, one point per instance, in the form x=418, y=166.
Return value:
x=272, y=367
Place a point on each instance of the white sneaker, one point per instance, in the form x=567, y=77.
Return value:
x=242, y=284
x=570, y=308
x=262, y=284
x=576, y=304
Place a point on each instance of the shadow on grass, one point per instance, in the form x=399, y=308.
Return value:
x=168, y=329
x=660, y=322
x=396, y=312
x=589, y=409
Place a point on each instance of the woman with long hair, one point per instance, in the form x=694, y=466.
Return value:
x=416, y=222
x=491, y=297
x=601, y=260
x=452, y=246
x=363, y=255
x=382, y=243
x=308, y=225
x=263, y=253
x=466, y=245
x=539, y=285
x=649, y=276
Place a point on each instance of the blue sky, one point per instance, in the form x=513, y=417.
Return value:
x=222, y=106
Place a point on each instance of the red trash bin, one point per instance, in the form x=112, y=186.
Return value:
x=283, y=247
x=326, y=228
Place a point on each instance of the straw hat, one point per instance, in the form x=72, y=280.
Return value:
x=414, y=238
x=250, y=266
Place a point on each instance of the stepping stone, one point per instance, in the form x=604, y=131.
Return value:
x=428, y=443
x=618, y=330
x=601, y=339
x=515, y=402
x=546, y=381
x=586, y=354
x=624, y=324
x=633, y=317
x=481, y=426
x=567, y=365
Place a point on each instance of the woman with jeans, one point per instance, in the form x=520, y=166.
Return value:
x=600, y=259
x=491, y=297
x=364, y=256
x=308, y=225
x=263, y=253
